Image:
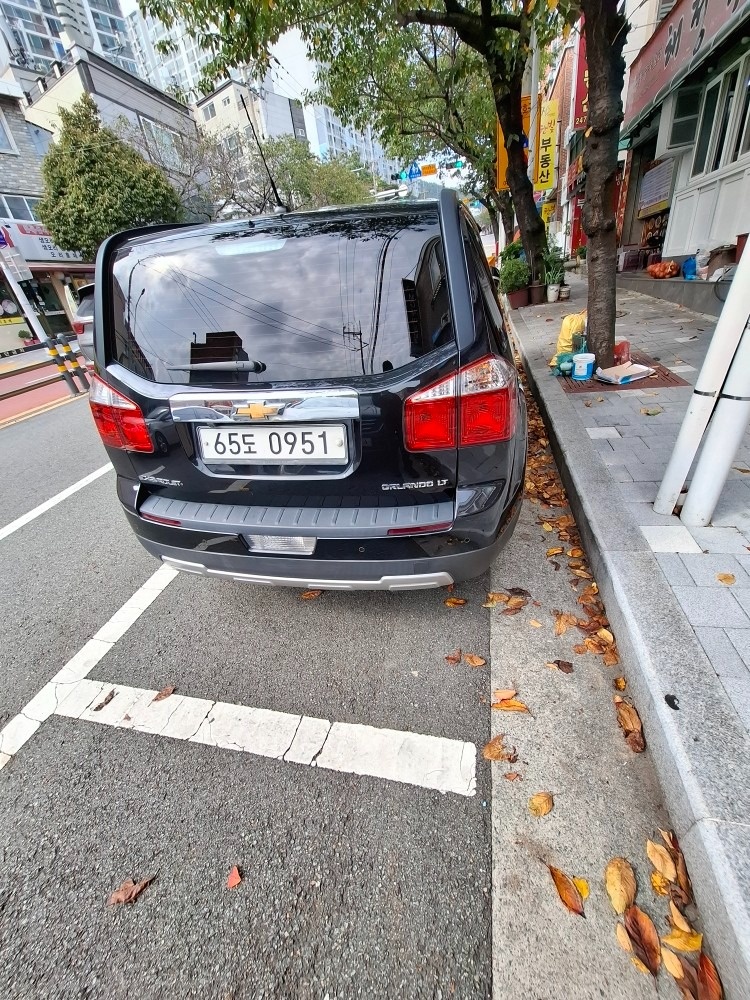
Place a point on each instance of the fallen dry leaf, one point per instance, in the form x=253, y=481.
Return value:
x=497, y=750
x=454, y=602
x=631, y=725
x=622, y=938
x=677, y=919
x=683, y=941
x=564, y=666
x=310, y=595
x=726, y=578
x=583, y=887
x=611, y=658
x=643, y=937
x=502, y=694
x=105, y=701
x=620, y=683
x=454, y=657
x=512, y=776
x=619, y=881
x=510, y=705
x=683, y=879
x=568, y=891
x=575, y=553
x=639, y=965
x=606, y=636
x=519, y=592
x=688, y=985
x=661, y=859
x=534, y=623
x=234, y=878
x=494, y=598
x=659, y=884
x=650, y=411
x=473, y=660
x=512, y=611
x=563, y=621
x=709, y=984
x=129, y=891
x=165, y=692
x=555, y=551
x=547, y=526
x=517, y=601
x=541, y=804
x=672, y=963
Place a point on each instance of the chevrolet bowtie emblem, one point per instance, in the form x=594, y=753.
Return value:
x=258, y=411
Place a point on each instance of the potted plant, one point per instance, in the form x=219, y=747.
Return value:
x=555, y=274
x=514, y=281
x=27, y=338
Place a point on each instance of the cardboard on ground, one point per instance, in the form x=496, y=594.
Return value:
x=622, y=374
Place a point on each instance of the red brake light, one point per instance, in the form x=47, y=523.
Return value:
x=77, y=327
x=119, y=420
x=473, y=407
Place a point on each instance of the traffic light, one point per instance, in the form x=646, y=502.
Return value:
x=458, y=164
x=396, y=177
x=404, y=175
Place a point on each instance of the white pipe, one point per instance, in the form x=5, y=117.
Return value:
x=724, y=437
x=721, y=350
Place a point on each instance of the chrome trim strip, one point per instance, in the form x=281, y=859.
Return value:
x=419, y=581
x=283, y=405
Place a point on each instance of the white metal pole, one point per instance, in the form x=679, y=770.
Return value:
x=724, y=437
x=721, y=350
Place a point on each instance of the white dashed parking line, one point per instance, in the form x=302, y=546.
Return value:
x=52, y=502
x=433, y=762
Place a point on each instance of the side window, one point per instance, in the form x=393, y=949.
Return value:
x=483, y=290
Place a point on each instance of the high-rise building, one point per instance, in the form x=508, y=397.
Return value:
x=39, y=32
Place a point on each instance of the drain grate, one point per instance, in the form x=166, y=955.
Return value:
x=663, y=378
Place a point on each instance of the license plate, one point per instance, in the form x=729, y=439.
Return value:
x=319, y=444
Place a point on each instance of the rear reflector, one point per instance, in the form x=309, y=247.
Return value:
x=77, y=327
x=161, y=520
x=119, y=420
x=293, y=545
x=421, y=529
x=475, y=406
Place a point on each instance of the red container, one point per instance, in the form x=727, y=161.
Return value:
x=622, y=352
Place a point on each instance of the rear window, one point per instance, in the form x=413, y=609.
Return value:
x=306, y=298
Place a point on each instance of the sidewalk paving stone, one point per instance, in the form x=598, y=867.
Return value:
x=681, y=631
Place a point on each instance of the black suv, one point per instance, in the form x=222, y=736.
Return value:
x=323, y=399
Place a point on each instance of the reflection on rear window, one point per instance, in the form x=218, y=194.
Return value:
x=305, y=298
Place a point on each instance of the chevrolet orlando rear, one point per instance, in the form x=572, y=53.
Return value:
x=321, y=399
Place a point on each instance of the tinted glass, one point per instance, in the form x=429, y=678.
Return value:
x=308, y=298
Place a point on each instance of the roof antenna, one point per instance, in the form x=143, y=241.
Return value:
x=280, y=208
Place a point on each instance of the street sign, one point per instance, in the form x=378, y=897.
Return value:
x=403, y=191
x=414, y=172
x=428, y=169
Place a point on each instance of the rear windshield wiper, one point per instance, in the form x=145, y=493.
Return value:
x=219, y=366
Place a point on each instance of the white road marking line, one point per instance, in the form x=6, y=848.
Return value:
x=55, y=693
x=52, y=502
x=409, y=758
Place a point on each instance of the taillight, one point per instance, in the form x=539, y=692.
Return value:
x=475, y=406
x=118, y=419
x=78, y=327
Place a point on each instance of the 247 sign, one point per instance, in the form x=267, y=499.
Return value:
x=545, y=162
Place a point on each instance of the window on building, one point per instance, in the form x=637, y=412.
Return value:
x=15, y=206
x=742, y=142
x=7, y=145
x=706, y=128
x=724, y=117
x=685, y=119
x=226, y=101
x=164, y=145
x=209, y=112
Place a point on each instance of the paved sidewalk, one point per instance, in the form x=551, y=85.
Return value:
x=685, y=632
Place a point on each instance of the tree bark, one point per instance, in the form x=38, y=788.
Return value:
x=507, y=214
x=605, y=30
x=533, y=233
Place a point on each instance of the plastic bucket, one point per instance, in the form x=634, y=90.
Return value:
x=583, y=367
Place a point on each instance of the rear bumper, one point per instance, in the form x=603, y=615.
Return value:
x=331, y=574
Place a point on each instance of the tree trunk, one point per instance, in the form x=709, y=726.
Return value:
x=507, y=214
x=533, y=233
x=605, y=31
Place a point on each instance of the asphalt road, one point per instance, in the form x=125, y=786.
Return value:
x=353, y=886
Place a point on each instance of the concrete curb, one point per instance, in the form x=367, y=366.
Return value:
x=701, y=751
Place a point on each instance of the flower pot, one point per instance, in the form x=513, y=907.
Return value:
x=518, y=298
x=536, y=294
x=553, y=293
x=564, y=293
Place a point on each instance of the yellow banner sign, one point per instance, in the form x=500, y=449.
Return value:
x=546, y=148
x=502, y=152
x=548, y=210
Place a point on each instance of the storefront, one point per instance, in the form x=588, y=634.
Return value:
x=49, y=277
x=688, y=123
